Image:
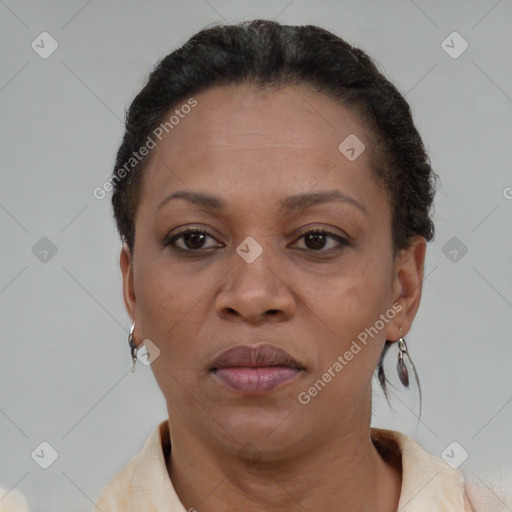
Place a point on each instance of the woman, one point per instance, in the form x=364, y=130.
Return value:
x=273, y=198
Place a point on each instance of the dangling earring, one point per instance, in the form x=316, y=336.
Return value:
x=401, y=369
x=133, y=347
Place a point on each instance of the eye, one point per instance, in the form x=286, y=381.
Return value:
x=315, y=240
x=193, y=239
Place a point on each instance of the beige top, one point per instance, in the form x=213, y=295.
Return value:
x=428, y=483
x=12, y=501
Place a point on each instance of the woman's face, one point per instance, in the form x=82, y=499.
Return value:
x=256, y=276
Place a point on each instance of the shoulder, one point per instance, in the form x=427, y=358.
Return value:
x=12, y=500
x=115, y=494
x=428, y=481
x=144, y=469
x=467, y=504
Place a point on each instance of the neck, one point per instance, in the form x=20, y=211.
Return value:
x=343, y=472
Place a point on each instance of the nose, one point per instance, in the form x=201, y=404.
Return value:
x=256, y=292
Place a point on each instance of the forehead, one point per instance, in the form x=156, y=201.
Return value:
x=256, y=141
x=247, y=117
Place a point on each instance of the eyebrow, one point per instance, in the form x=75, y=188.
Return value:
x=291, y=204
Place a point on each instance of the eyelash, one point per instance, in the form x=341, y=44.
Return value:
x=343, y=242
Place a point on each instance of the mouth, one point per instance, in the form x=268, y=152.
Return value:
x=255, y=370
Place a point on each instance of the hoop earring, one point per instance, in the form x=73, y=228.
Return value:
x=133, y=347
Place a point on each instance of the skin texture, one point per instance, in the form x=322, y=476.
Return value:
x=252, y=147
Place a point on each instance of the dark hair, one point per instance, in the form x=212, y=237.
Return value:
x=266, y=53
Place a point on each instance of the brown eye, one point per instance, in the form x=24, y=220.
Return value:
x=316, y=239
x=193, y=240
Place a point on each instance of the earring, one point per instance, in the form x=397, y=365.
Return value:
x=401, y=369
x=133, y=347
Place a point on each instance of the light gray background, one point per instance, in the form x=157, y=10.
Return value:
x=64, y=362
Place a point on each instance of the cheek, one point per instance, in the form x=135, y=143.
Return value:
x=162, y=303
x=349, y=350
x=171, y=311
x=358, y=295
x=351, y=309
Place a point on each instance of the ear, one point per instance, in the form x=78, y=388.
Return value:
x=125, y=261
x=408, y=285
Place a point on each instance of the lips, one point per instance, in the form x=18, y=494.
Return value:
x=262, y=355
x=255, y=371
